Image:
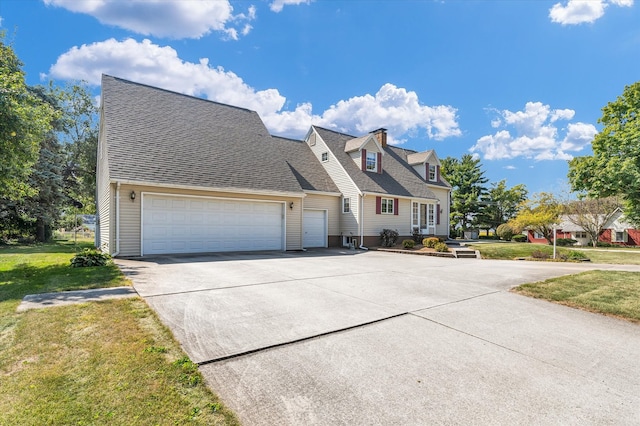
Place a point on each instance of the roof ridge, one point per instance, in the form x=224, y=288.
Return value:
x=173, y=92
x=335, y=131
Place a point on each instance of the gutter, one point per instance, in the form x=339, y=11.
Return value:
x=362, y=247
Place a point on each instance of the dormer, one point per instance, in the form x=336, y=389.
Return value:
x=426, y=164
x=367, y=151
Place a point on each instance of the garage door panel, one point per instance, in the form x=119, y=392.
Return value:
x=186, y=225
x=315, y=228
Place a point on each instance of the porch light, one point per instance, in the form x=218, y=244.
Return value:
x=132, y=196
x=291, y=205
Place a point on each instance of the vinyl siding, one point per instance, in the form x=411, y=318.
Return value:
x=348, y=221
x=443, y=197
x=374, y=223
x=130, y=219
x=331, y=204
x=104, y=198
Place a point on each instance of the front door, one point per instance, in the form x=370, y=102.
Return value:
x=423, y=217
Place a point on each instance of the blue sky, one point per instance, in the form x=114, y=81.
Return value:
x=518, y=83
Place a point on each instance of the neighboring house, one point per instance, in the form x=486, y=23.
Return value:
x=616, y=231
x=179, y=174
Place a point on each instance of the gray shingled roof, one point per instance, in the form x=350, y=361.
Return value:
x=398, y=177
x=414, y=158
x=162, y=137
x=304, y=165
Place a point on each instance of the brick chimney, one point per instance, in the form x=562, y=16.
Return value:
x=381, y=135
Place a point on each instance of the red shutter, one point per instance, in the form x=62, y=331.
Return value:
x=426, y=176
x=437, y=214
x=378, y=205
x=395, y=206
x=438, y=173
x=379, y=162
x=364, y=160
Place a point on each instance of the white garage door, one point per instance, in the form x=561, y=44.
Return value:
x=200, y=225
x=315, y=228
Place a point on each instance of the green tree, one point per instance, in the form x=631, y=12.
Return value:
x=501, y=204
x=539, y=214
x=467, y=180
x=25, y=120
x=614, y=167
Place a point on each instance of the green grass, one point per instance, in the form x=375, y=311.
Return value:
x=612, y=293
x=96, y=363
x=508, y=250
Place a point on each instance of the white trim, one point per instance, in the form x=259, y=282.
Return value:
x=284, y=212
x=211, y=188
x=117, y=230
x=330, y=194
x=400, y=197
x=342, y=205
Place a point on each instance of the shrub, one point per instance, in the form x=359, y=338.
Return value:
x=441, y=247
x=563, y=242
x=604, y=244
x=576, y=255
x=90, y=257
x=488, y=237
x=539, y=254
x=430, y=242
x=505, y=232
x=388, y=237
x=519, y=238
x=408, y=244
x=417, y=235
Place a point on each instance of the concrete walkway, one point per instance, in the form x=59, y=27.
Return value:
x=48, y=300
x=342, y=338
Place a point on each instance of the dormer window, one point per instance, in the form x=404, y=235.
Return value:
x=325, y=156
x=432, y=173
x=372, y=162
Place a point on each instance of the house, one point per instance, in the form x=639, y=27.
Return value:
x=615, y=231
x=179, y=174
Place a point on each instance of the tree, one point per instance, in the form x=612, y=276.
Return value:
x=24, y=122
x=501, y=204
x=592, y=214
x=467, y=179
x=540, y=214
x=614, y=167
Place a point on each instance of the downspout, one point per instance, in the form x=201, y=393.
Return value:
x=362, y=247
x=117, y=252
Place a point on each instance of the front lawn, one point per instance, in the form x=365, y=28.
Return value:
x=106, y=362
x=509, y=250
x=608, y=292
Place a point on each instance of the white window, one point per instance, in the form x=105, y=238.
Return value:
x=537, y=235
x=346, y=205
x=415, y=215
x=581, y=235
x=620, y=236
x=372, y=161
x=387, y=206
x=325, y=156
x=432, y=172
x=431, y=214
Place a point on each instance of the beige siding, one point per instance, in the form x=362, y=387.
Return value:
x=329, y=203
x=374, y=223
x=130, y=219
x=348, y=221
x=104, y=199
x=442, y=195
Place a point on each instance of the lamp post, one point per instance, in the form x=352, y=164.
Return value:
x=554, y=240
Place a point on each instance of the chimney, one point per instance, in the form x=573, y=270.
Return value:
x=381, y=135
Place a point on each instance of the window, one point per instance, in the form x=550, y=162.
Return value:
x=346, y=205
x=431, y=214
x=387, y=205
x=312, y=139
x=620, y=236
x=537, y=235
x=325, y=156
x=372, y=161
x=415, y=216
x=581, y=235
x=432, y=172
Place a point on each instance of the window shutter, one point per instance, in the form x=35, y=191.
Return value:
x=378, y=205
x=426, y=169
x=437, y=214
x=437, y=173
x=395, y=206
x=379, y=162
x=364, y=160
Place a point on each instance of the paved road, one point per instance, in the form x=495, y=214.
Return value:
x=341, y=337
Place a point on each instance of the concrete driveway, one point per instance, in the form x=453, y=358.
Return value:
x=339, y=337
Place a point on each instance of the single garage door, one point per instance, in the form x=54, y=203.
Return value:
x=172, y=224
x=315, y=228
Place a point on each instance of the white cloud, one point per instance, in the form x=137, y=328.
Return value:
x=575, y=12
x=164, y=18
x=533, y=133
x=510, y=167
x=277, y=5
x=394, y=108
